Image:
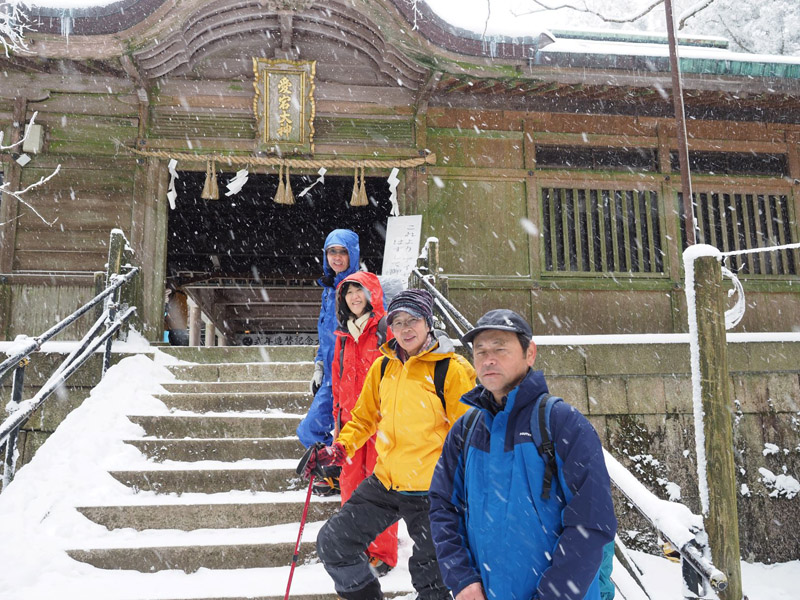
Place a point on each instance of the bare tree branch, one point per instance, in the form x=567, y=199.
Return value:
x=734, y=37
x=24, y=137
x=584, y=8
x=13, y=25
x=4, y=189
x=692, y=11
x=488, y=16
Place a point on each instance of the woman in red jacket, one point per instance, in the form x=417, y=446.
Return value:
x=360, y=333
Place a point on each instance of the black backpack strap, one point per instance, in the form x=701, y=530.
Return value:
x=547, y=449
x=384, y=362
x=540, y=430
x=439, y=376
x=469, y=426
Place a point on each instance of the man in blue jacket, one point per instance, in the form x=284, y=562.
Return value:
x=340, y=257
x=499, y=532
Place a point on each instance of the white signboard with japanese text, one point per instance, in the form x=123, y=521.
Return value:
x=402, y=245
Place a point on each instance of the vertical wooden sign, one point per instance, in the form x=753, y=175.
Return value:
x=284, y=106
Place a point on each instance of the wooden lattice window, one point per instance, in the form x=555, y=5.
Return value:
x=601, y=230
x=731, y=222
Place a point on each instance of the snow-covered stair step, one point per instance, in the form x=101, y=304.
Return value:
x=229, y=449
x=235, y=387
x=226, y=401
x=188, y=517
x=188, y=551
x=230, y=425
x=240, y=354
x=291, y=371
x=209, y=477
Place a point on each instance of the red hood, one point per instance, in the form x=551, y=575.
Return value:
x=371, y=283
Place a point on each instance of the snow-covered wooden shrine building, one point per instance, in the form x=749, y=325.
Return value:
x=554, y=189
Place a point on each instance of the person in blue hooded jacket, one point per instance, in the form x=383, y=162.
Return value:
x=340, y=257
x=498, y=531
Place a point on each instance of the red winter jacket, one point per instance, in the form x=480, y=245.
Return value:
x=350, y=367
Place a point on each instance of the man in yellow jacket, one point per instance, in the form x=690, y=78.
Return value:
x=411, y=405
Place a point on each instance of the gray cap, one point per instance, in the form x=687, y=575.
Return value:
x=502, y=319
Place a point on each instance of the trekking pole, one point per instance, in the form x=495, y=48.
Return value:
x=299, y=536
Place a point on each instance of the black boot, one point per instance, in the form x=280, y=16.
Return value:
x=371, y=591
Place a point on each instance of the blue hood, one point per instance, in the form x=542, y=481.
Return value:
x=348, y=239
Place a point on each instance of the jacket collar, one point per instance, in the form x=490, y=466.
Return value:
x=529, y=389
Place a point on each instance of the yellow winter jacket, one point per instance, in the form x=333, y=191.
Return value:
x=408, y=416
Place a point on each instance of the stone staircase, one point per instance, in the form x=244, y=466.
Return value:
x=220, y=472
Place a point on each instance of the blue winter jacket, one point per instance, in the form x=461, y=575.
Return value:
x=327, y=315
x=496, y=528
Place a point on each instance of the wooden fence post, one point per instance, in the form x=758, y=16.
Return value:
x=120, y=255
x=722, y=522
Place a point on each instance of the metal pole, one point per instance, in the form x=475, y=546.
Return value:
x=112, y=315
x=11, y=442
x=680, y=126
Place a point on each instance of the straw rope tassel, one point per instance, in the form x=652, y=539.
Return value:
x=354, y=195
x=279, y=195
x=362, y=191
x=210, y=187
x=288, y=197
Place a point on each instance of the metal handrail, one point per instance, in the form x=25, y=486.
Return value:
x=21, y=411
x=28, y=407
x=693, y=551
x=446, y=309
x=35, y=343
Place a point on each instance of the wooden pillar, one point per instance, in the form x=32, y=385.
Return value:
x=722, y=522
x=433, y=260
x=9, y=205
x=793, y=151
x=195, y=323
x=5, y=307
x=222, y=339
x=211, y=334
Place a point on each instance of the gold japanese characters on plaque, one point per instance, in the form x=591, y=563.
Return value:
x=284, y=105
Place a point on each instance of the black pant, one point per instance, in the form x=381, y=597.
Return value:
x=343, y=540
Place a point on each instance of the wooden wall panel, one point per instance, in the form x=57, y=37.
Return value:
x=87, y=135
x=35, y=309
x=478, y=225
x=473, y=303
x=85, y=203
x=59, y=260
x=489, y=150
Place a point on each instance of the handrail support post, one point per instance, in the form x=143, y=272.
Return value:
x=11, y=444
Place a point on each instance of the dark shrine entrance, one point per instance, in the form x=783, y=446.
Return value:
x=251, y=264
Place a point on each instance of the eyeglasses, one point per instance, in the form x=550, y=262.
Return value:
x=407, y=324
x=336, y=252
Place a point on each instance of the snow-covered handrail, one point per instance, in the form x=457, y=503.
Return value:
x=19, y=410
x=24, y=347
x=679, y=526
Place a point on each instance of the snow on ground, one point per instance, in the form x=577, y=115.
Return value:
x=38, y=520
